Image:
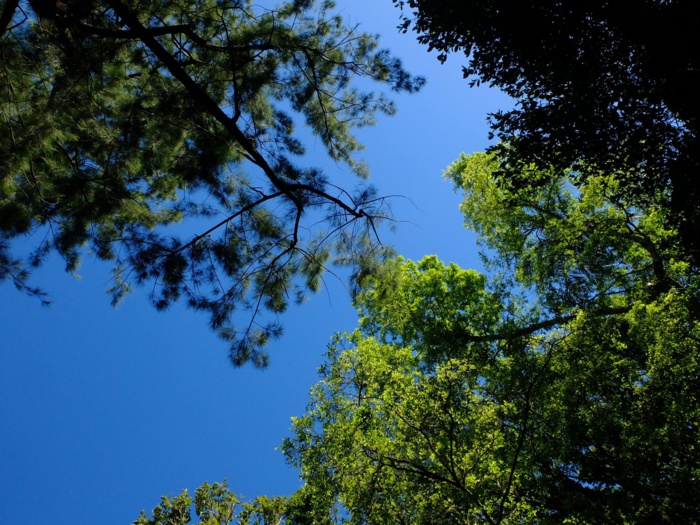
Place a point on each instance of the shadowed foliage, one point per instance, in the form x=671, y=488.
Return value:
x=604, y=86
x=122, y=119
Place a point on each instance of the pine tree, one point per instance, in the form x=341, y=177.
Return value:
x=121, y=119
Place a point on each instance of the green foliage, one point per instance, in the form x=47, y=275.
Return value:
x=575, y=247
x=215, y=505
x=121, y=119
x=449, y=301
x=571, y=399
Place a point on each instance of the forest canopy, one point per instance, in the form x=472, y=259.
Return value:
x=560, y=386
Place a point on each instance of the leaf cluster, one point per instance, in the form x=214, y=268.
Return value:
x=215, y=505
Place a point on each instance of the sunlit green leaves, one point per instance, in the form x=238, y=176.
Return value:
x=572, y=400
x=576, y=246
x=429, y=305
x=215, y=505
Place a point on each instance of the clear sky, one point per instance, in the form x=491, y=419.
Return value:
x=104, y=410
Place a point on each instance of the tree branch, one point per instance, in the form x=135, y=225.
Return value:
x=227, y=220
x=521, y=435
x=403, y=465
x=199, y=94
x=130, y=34
x=542, y=325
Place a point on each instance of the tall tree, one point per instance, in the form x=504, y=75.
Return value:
x=605, y=85
x=562, y=389
x=121, y=119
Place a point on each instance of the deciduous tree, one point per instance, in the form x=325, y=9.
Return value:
x=562, y=388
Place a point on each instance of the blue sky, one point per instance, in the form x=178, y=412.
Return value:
x=104, y=410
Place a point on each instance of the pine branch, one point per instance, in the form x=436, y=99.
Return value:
x=199, y=94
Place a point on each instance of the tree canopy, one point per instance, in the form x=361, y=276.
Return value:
x=605, y=86
x=121, y=119
x=559, y=388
